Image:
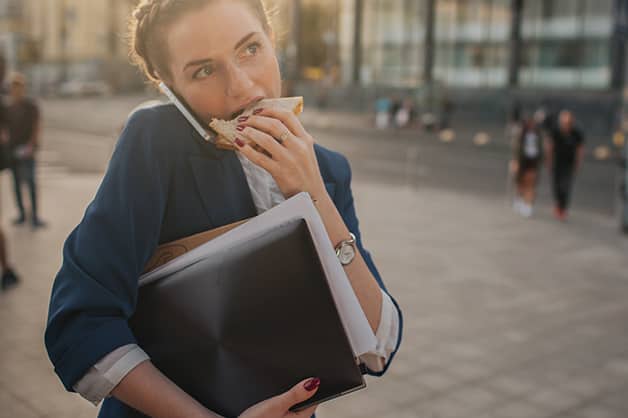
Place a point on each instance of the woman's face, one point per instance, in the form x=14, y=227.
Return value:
x=222, y=60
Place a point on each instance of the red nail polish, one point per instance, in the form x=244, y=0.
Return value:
x=240, y=128
x=258, y=111
x=243, y=119
x=312, y=384
x=239, y=142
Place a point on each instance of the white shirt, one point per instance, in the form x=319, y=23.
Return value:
x=105, y=375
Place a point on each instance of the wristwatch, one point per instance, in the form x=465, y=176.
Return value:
x=346, y=250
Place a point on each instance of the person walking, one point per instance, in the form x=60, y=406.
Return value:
x=23, y=118
x=8, y=279
x=528, y=156
x=565, y=153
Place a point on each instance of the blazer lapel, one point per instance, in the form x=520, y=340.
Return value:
x=223, y=189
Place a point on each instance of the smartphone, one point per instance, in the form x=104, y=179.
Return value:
x=206, y=133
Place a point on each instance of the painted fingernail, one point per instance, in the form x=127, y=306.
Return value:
x=240, y=128
x=243, y=119
x=312, y=384
x=239, y=142
x=258, y=111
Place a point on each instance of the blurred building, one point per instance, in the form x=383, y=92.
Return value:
x=483, y=54
x=59, y=42
x=13, y=31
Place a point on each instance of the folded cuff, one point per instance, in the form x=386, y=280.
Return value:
x=77, y=360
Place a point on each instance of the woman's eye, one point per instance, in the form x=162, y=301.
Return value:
x=253, y=48
x=204, y=72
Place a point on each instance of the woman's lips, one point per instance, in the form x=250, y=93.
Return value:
x=246, y=106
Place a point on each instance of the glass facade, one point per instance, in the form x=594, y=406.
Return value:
x=566, y=43
x=392, y=42
x=472, y=38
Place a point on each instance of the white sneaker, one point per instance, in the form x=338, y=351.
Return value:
x=516, y=204
x=526, y=210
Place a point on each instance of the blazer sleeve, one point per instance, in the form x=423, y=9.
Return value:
x=346, y=206
x=94, y=293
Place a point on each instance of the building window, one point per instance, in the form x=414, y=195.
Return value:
x=566, y=43
x=472, y=39
x=393, y=42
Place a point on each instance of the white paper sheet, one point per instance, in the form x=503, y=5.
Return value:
x=354, y=320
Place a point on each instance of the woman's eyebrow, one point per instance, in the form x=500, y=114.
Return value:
x=209, y=60
x=197, y=63
x=243, y=40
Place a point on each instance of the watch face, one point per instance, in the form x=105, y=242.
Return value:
x=347, y=253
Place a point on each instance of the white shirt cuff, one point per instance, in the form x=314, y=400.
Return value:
x=105, y=375
x=387, y=335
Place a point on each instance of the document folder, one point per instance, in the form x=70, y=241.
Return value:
x=248, y=323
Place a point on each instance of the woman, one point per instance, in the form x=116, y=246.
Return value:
x=528, y=156
x=163, y=184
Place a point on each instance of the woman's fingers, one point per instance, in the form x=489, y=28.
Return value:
x=273, y=127
x=279, y=406
x=289, y=119
x=259, y=158
x=265, y=140
x=300, y=392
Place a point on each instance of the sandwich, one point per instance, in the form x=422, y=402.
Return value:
x=226, y=129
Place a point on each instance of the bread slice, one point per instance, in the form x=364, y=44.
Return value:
x=226, y=129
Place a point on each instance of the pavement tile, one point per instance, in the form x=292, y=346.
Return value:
x=595, y=411
x=445, y=407
x=468, y=370
x=554, y=400
x=512, y=386
x=476, y=397
x=14, y=407
x=585, y=386
x=437, y=380
x=519, y=409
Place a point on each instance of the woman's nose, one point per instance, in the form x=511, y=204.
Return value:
x=238, y=81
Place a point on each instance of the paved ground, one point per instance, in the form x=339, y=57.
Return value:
x=505, y=318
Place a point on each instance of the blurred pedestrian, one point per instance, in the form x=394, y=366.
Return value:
x=546, y=116
x=528, y=154
x=8, y=278
x=23, y=117
x=565, y=153
x=405, y=114
x=395, y=105
x=446, y=111
x=382, y=112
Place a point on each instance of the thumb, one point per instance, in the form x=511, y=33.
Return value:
x=302, y=391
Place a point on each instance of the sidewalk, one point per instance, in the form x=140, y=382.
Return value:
x=504, y=317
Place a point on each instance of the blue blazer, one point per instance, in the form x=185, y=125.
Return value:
x=162, y=184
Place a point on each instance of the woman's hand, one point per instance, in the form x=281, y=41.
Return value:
x=289, y=156
x=279, y=406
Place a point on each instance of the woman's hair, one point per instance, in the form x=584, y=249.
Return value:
x=151, y=19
